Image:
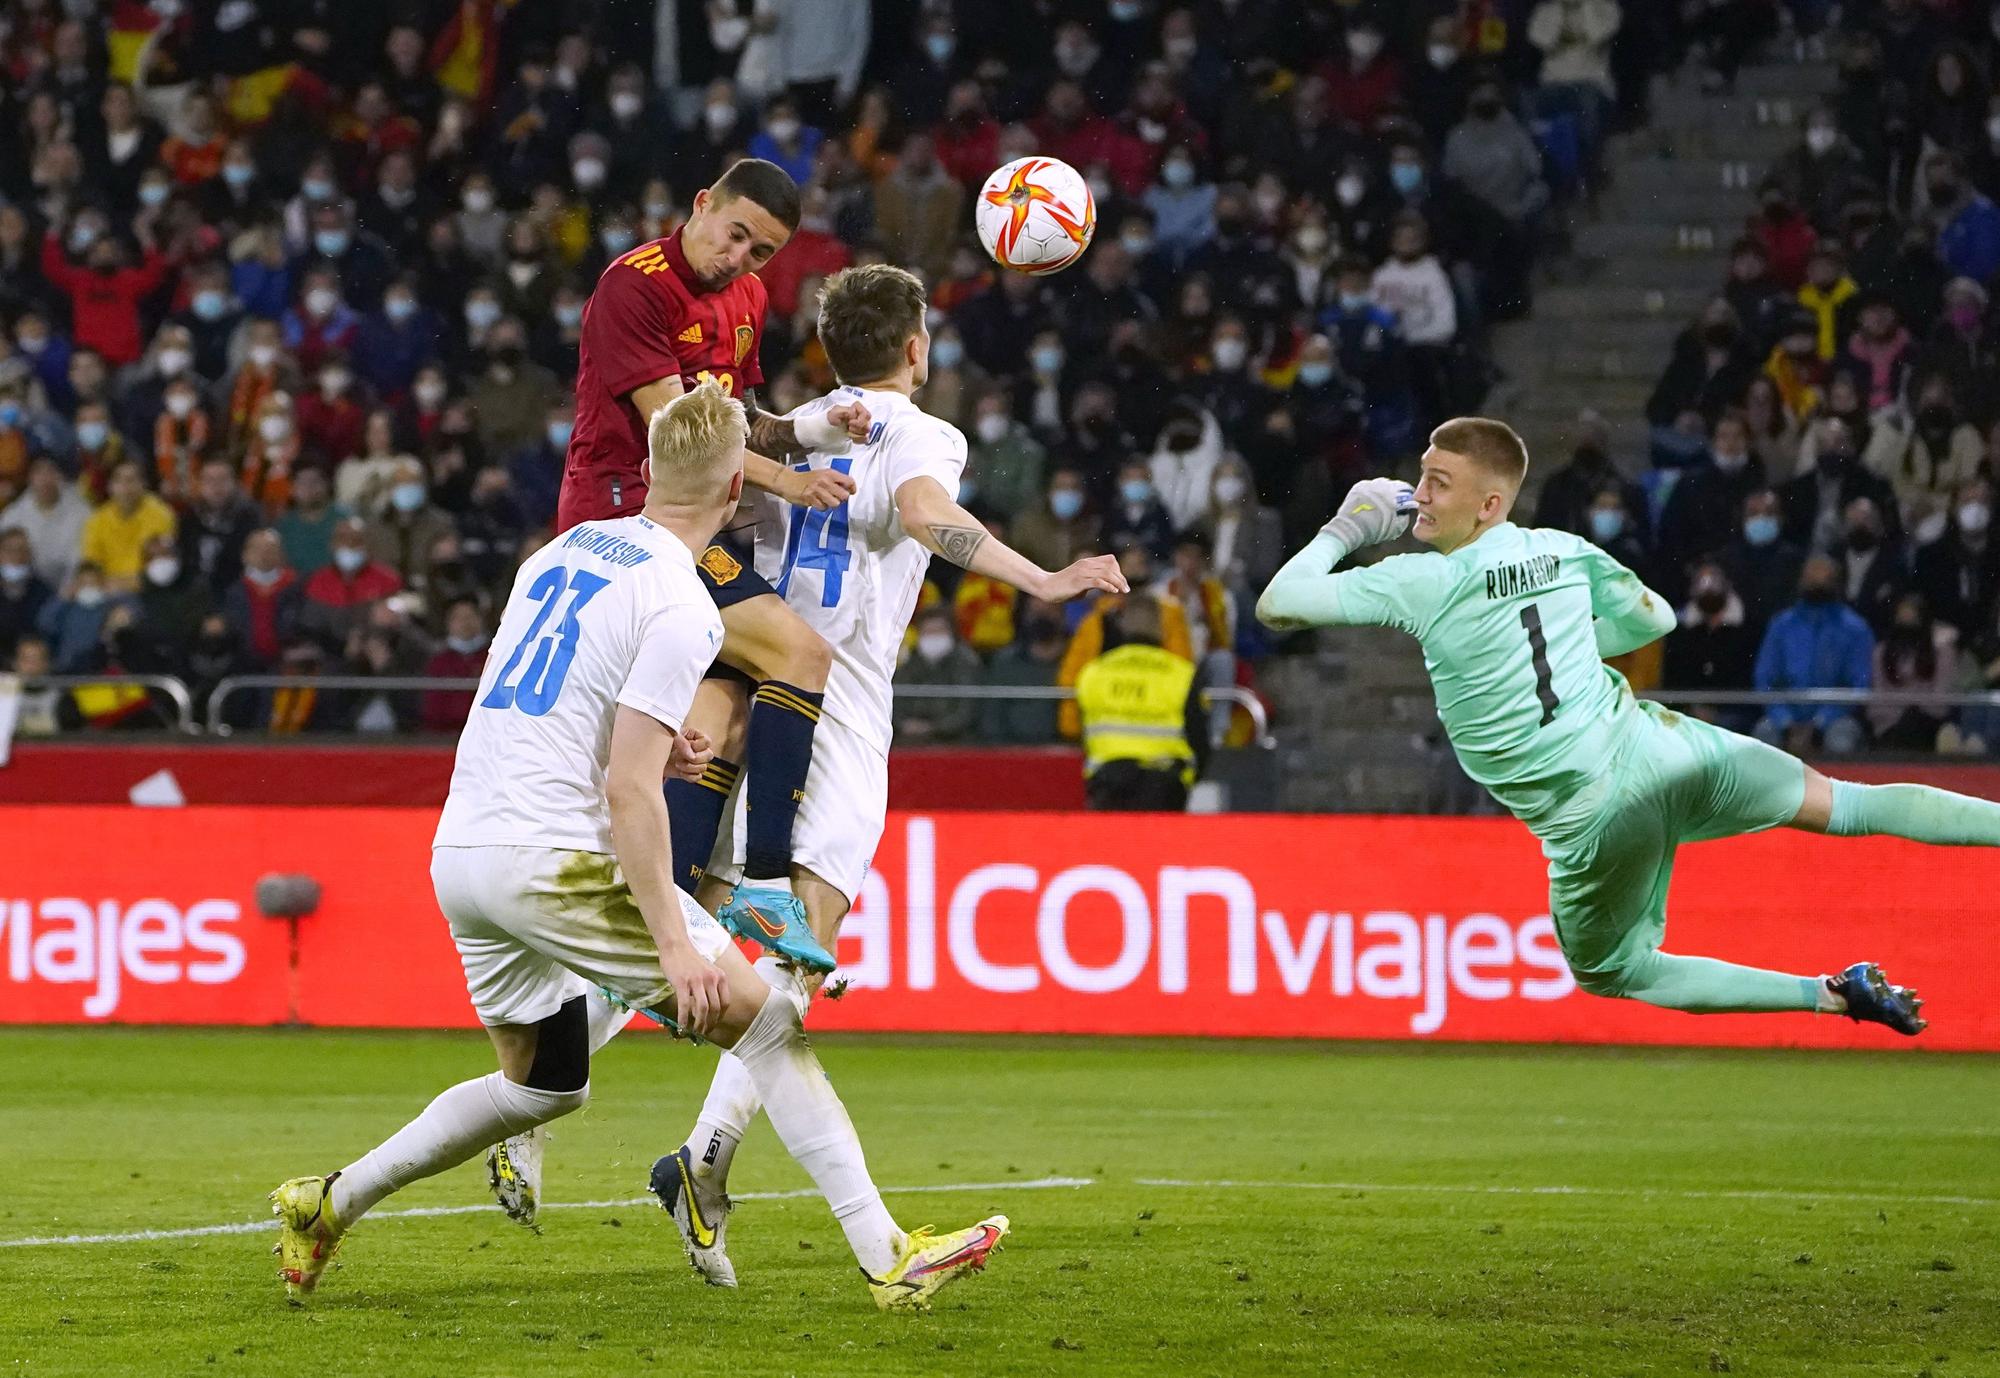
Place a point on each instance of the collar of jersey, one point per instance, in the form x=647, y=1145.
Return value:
x=677, y=260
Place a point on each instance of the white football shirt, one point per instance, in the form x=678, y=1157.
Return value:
x=609, y=612
x=854, y=573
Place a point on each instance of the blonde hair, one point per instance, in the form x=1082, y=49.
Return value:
x=692, y=437
x=1494, y=445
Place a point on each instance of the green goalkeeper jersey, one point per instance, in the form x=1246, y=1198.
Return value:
x=1514, y=627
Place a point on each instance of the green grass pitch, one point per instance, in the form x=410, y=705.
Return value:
x=1250, y=1209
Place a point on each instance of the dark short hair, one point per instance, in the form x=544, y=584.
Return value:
x=866, y=315
x=769, y=185
x=1493, y=445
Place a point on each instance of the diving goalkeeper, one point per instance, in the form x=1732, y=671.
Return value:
x=1515, y=623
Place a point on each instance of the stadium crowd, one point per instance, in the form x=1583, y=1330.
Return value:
x=292, y=290
x=1820, y=493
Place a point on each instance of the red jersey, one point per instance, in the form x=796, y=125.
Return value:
x=649, y=318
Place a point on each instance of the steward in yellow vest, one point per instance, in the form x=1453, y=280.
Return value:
x=1144, y=732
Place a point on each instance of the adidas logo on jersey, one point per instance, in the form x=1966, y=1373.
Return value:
x=692, y=335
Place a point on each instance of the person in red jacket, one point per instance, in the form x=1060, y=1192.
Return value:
x=105, y=291
x=339, y=593
x=263, y=605
x=462, y=657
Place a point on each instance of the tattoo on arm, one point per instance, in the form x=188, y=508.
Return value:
x=958, y=543
x=773, y=436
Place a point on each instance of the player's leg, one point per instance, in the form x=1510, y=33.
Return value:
x=840, y=825
x=732, y=1101
x=772, y=645
x=1608, y=897
x=695, y=808
x=534, y=1011
x=762, y=1032
x=1921, y=813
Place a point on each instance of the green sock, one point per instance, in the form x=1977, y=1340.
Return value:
x=1918, y=812
x=1702, y=985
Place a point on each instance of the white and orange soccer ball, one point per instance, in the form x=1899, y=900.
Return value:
x=1036, y=215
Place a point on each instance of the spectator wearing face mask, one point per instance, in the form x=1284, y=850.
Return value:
x=1931, y=453
x=211, y=319
x=1763, y=566
x=1371, y=352
x=46, y=351
x=339, y=596
x=1828, y=293
x=1960, y=348
x=263, y=604
x=1413, y=287
x=918, y=209
x=321, y=322
x=1058, y=528
x=1916, y=654
x=1968, y=225
x=331, y=416
x=1246, y=538
x=1490, y=155
x=397, y=339
x=938, y=658
x=22, y=592
x=263, y=369
x=1880, y=349
x=1817, y=643
x=1182, y=204
x=1136, y=518
x=1959, y=573
x=512, y=396
x=1702, y=508
x=1361, y=84
x=463, y=656
x=1815, y=500
x=360, y=262
x=954, y=380
x=1825, y=171
x=1006, y=463
x=407, y=526
x=1714, y=647
x=1234, y=393
x=100, y=447
x=1032, y=659
x=1874, y=566
x=73, y=622
x=214, y=524
x=1183, y=465
x=174, y=600
x=114, y=539
x=272, y=452
x=104, y=291
x=183, y=437
x=1619, y=531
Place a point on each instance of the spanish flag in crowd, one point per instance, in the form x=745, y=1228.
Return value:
x=466, y=53
x=132, y=23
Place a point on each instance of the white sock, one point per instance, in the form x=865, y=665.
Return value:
x=725, y=1117
x=732, y=1096
x=1831, y=1001
x=814, y=1128
x=459, y=1123
x=605, y=1019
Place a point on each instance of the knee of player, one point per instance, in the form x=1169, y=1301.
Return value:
x=807, y=660
x=1611, y=981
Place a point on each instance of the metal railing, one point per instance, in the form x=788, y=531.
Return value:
x=1260, y=718
x=175, y=690
x=225, y=689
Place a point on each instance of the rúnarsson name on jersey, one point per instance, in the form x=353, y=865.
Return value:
x=1505, y=581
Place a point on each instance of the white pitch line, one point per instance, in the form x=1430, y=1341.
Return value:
x=417, y=1212
x=1671, y=1193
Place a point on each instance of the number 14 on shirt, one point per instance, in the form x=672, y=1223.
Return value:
x=818, y=540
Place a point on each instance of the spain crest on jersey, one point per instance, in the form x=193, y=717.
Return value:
x=746, y=336
x=720, y=564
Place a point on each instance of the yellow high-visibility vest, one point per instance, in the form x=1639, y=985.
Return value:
x=1134, y=706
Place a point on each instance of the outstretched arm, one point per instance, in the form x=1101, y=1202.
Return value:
x=944, y=528
x=1305, y=593
x=1625, y=613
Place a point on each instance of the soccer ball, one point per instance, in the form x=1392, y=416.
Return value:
x=1036, y=215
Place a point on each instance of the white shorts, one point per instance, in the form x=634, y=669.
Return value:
x=538, y=926
x=841, y=817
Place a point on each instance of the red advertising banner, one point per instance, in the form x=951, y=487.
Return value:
x=405, y=775
x=1268, y=926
